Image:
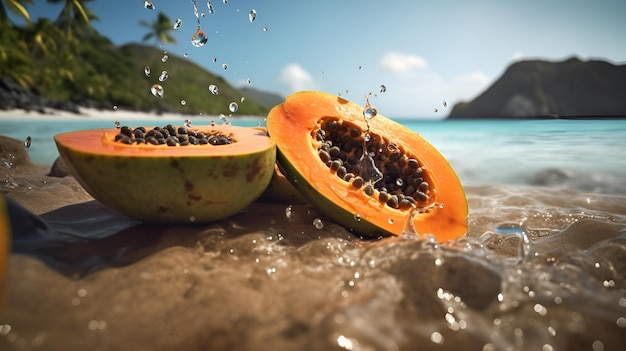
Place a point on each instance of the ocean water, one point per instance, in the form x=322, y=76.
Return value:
x=542, y=267
x=579, y=154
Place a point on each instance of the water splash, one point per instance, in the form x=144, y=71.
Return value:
x=199, y=38
x=157, y=91
x=525, y=249
x=148, y=5
x=213, y=89
x=178, y=23
x=382, y=89
x=233, y=107
x=210, y=7
x=252, y=15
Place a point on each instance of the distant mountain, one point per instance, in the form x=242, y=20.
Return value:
x=268, y=99
x=536, y=88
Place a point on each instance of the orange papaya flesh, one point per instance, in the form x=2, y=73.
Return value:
x=171, y=184
x=402, y=184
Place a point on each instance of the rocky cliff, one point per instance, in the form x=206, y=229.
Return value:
x=536, y=88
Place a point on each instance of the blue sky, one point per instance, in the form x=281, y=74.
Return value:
x=424, y=52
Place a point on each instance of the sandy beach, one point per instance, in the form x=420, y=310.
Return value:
x=81, y=276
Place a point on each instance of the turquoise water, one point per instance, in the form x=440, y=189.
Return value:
x=586, y=155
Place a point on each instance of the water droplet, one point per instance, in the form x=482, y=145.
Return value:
x=233, y=107
x=248, y=81
x=164, y=58
x=436, y=338
x=252, y=15
x=187, y=123
x=390, y=221
x=210, y=7
x=149, y=5
x=199, y=39
x=367, y=137
x=370, y=112
x=399, y=182
x=288, y=211
x=178, y=23
x=114, y=107
x=223, y=118
x=265, y=29
x=117, y=124
x=243, y=99
x=5, y=163
x=183, y=102
x=185, y=54
x=224, y=65
x=146, y=71
x=214, y=59
x=435, y=110
x=28, y=141
x=357, y=217
x=163, y=77
x=382, y=88
x=392, y=147
x=445, y=104
x=318, y=224
x=213, y=89
x=157, y=90
x=225, y=2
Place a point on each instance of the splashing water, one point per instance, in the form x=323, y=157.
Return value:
x=210, y=7
x=157, y=91
x=382, y=88
x=369, y=112
x=233, y=107
x=252, y=15
x=178, y=23
x=213, y=89
x=148, y=5
x=199, y=38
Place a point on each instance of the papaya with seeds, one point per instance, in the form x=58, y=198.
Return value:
x=167, y=177
x=372, y=175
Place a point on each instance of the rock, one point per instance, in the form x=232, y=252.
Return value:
x=566, y=89
x=58, y=169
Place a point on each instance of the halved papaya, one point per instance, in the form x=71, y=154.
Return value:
x=399, y=184
x=171, y=174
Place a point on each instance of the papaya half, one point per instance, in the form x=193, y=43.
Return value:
x=366, y=172
x=171, y=174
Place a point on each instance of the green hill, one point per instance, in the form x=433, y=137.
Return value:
x=536, y=88
x=39, y=68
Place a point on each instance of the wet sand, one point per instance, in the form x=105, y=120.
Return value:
x=83, y=277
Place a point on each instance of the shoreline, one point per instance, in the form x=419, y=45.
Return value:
x=109, y=114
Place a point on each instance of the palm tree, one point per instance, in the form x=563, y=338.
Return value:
x=159, y=29
x=16, y=7
x=75, y=15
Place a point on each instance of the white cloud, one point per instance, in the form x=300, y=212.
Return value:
x=296, y=78
x=420, y=96
x=517, y=56
x=397, y=62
